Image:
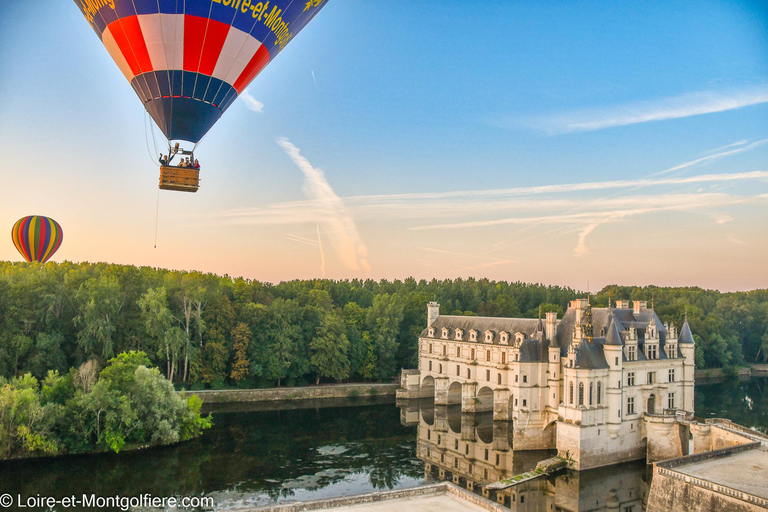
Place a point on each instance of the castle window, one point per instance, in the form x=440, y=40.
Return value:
x=631, y=353
x=430, y=366
x=431, y=332
x=488, y=336
x=486, y=456
x=442, y=457
x=504, y=338
x=590, y=393
x=456, y=444
x=652, y=351
x=458, y=370
x=581, y=393
x=672, y=349
x=488, y=355
x=525, y=402
x=516, y=376
x=503, y=358
x=672, y=375
x=429, y=434
x=430, y=348
x=630, y=405
x=440, y=369
x=455, y=462
x=439, y=438
x=599, y=392
x=525, y=378
x=488, y=375
x=445, y=350
x=473, y=335
x=651, y=377
x=459, y=334
x=445, y=333
x=472, y=354
x=570, y=393
x=469, y=373
x=631, y=379
x=671, y=401
x=499, y=379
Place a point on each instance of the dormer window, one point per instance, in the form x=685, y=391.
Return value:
x=431, y=332
x=488, y=336
x=504, y=338
x=473, y=335
x=519, y=338
x=672, y=350
x=445, y=333
x=459, y=334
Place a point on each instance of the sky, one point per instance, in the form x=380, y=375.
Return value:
x=578, y=144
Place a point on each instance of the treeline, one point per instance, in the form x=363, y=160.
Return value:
x=205, y=330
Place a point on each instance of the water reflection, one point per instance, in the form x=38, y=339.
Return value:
x=473, y=451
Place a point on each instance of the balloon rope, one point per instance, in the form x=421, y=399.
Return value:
x=146, y=139
x=157, y=215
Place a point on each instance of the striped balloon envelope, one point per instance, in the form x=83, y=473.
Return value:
x=188, y=60
x=36, y=237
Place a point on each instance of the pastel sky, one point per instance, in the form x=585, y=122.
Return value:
x=579, y=144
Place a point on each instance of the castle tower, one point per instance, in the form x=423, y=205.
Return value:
x=613, y=355
x=686, y=346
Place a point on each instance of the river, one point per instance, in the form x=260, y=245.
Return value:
x=257, y=457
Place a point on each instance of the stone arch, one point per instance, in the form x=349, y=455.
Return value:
x=651, y=405
x=484, y=399
x=454, y=393
x=428, y=414
x=428, y=387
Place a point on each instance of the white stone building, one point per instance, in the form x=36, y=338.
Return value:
x=593, y=385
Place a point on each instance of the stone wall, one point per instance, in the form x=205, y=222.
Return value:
x=298, y=393
x=672, y=490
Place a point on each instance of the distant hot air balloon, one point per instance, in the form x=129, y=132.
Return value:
x=36, y=237
x=188, y=60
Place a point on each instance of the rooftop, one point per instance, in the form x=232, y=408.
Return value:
x=746, y=471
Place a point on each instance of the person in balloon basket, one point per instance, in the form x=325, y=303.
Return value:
x=163, y=159
x=196, y=164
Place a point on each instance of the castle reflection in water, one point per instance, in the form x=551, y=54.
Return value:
x=473, y=451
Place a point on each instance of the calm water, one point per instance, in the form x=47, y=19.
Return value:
x=257, y=457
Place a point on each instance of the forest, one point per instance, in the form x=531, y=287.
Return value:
x=208, y=331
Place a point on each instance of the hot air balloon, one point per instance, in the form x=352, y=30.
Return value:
x=188, y=60
x=36, y=237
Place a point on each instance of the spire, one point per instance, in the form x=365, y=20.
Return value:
x=540, y=326
x=588, y=327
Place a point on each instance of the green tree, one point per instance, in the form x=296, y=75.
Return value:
x=241, y=338
x=100, y=303
x=329, y=349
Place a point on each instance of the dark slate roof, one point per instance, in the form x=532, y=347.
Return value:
x=685, y=334
x=624, y=318
x=531, y=351
x=613, y=336
x=481, y=324
x=590, y=355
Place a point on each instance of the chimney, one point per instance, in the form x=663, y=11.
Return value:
x=433, y=311
x=579, y=305
x=550, y=325
x=622, y=304
x=639, y=305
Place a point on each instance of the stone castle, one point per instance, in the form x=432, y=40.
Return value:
x=600, y=385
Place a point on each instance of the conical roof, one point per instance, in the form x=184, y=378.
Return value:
x=613, y=336
x=685, y=334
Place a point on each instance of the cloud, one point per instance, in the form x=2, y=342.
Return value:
x=562, y=188
x=331, y=211
x=677, y=107
x=251, y=102
x=732, y=238
x=715, y=156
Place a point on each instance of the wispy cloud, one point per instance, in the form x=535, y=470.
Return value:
x=565, y=187
x=715, y=156
x=686, y=105
x=251, y=102
x=734, y=240
x=338, y=223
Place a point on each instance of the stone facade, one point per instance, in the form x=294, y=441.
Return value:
x=585, y=384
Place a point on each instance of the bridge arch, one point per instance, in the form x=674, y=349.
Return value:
x=428, y=387
x=454, y=393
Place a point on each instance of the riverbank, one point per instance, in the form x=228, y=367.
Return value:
x=743, y=373
x=354, y=390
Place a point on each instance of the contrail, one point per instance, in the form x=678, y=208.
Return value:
x=322, y=253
